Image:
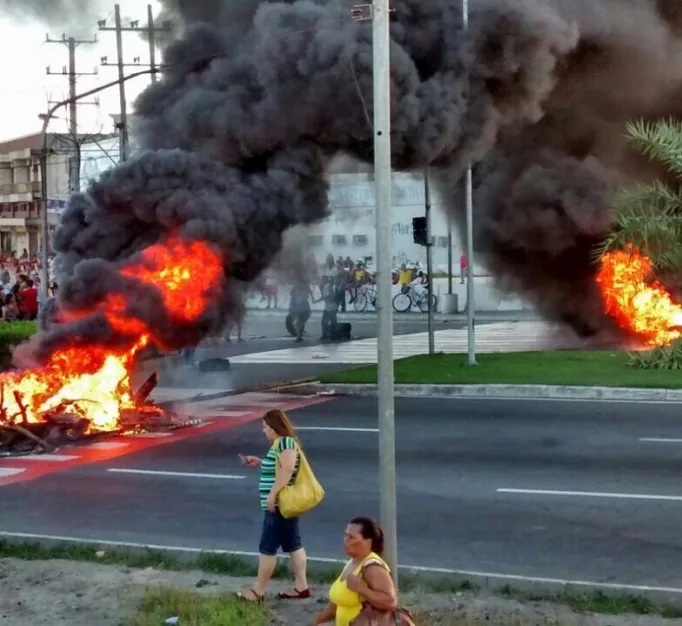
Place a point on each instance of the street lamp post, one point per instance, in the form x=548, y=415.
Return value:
x=381, y=64
x=468, y=203
x=46, y=117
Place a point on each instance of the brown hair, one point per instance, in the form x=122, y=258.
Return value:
x=280, y=423
x=369, y=529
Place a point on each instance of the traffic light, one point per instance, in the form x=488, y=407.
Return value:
x=419, y=230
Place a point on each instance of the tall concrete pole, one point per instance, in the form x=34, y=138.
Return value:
x=429, y=259
x=151, y=33
x=44, y=222
x=468, y=200
x=74, y=170
x=123, y=122
x=384, y=252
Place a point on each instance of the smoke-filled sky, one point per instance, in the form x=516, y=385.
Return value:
x=256, y=101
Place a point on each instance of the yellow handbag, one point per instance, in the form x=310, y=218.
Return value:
x=305, y=494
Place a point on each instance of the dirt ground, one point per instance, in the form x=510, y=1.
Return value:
x=67, y=593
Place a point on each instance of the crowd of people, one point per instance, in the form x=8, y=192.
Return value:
x=19, y=287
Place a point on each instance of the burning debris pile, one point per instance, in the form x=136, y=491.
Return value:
x=85, y=388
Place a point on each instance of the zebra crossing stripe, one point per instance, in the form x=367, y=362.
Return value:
x=497, y=337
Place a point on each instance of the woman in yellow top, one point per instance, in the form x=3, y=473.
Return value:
x=366, y=579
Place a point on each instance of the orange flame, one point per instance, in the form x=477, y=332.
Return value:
x=94, y=382
x=636, y=303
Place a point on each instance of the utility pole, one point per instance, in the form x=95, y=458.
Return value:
x=429, y=260
x=72, y=43
x=449, y=257
x=46, y=117
x=151, y=35
x=119, y=29
x=468, y=203
x=379, y=12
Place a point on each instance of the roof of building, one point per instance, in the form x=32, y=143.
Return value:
x=55, y=141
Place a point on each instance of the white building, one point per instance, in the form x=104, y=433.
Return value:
x=350, y=230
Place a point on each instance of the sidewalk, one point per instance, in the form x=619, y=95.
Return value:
x=508, y=336
x=350, y=315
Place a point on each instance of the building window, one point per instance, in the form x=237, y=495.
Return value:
x=359, y=240
x=442, y=242
x=21, y=174
x=339, y=240
x=315, y=241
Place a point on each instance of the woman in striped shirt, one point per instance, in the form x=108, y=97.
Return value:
x=277, y=532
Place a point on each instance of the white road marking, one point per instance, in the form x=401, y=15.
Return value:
x=659, y=440
x=108, y=445
x=494, y=337
x=60, y=458
x=339, y=430
x=151, y=435
x=592, y=494
x=6, y=472
x=221, y=413
x=615, y=586
x=179, y=474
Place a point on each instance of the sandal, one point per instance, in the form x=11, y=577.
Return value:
x=296, y=595
x=257, y=598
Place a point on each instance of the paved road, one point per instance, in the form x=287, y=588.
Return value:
x=265, y=331
x=453, y=456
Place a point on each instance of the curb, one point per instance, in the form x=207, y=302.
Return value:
x=492, y=582
x=521, y=392
x=281, y=387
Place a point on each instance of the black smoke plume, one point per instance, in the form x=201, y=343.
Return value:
x=238, y=133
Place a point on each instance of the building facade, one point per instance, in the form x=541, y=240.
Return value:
x=20, y=188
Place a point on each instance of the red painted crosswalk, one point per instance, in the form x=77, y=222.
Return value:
x=214, y=415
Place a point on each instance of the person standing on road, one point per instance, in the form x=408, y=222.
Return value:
x=299, y=306
x=277, y=532
x=463, y=265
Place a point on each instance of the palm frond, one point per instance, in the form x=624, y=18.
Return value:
x=660, y=141
x=648, y=217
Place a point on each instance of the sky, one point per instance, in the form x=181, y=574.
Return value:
x=25, y=88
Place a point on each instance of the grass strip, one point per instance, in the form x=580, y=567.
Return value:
x=604, y=368
x=197, y=609
x=228, y=565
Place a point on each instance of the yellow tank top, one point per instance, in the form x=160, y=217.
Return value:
x=348, y=603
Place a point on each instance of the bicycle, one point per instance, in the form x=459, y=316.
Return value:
x=405, y=300
x=368, y=294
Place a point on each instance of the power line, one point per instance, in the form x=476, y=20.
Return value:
x=119, y=29
x=72, y=43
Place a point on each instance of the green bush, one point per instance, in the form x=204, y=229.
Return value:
x=12, y=334
x=663, y=358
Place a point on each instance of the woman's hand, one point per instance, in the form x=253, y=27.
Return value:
x=250, y=461
x=354, y=583
x=271, y=502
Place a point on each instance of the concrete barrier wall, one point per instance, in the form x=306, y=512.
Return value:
x=487, y=297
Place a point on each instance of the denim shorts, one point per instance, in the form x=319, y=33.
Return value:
x=279, y=532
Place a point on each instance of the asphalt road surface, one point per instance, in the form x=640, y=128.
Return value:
x=568, y=490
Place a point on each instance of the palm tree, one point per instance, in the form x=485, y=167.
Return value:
x=649, y=218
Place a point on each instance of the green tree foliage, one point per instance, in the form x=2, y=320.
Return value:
x=649, y=218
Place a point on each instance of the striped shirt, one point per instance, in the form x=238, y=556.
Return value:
x=268, y=468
